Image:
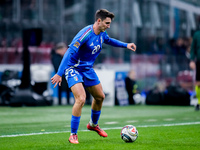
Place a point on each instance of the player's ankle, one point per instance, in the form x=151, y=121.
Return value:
x=92, y=124
x=73, y=134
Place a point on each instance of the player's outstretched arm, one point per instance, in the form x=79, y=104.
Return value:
x=56, y=79
x=131, y=46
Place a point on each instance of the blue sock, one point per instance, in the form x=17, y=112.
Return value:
x=95, y=116
x=75, y=123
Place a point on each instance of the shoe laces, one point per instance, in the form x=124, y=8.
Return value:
x=98, y=128
x=74, y=137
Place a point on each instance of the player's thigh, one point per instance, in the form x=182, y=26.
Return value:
x=96, y=91
x=78, y=92
x=198, y=72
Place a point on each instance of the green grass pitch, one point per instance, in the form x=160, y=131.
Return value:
x=48, y=128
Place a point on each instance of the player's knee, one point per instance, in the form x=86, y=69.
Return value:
x=81, y=100
x=100, y=97
x=103, y=96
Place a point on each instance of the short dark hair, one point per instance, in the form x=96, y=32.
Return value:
x=60, y=45
x=103, y=14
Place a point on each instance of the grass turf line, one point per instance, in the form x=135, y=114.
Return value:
x=152, y=134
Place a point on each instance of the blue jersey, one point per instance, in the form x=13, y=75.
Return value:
x=84, y=49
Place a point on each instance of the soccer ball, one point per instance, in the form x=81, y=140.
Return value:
x=129, y=133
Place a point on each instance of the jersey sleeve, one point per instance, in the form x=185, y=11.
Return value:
x=114, y=42
x=64, y=61
x=80, y=39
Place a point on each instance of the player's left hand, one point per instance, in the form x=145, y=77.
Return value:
x=131, y=46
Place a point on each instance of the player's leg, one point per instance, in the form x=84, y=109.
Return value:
x=97, y=92
x=97, y=102
x=80, y=97
x=197, y=85
x=74, y=80
x=197, y=90
x=98, y=96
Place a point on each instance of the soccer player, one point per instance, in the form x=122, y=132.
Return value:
x=77, y=66
x=195, y=64
x=131, y=86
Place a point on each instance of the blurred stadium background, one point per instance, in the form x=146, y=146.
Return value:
x=161, y=29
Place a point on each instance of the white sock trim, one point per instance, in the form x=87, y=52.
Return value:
x=92, y=124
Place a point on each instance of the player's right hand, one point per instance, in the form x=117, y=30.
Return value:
x=192, y=65
x=131, y=46
x=56, y=79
